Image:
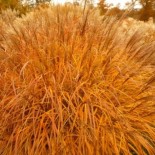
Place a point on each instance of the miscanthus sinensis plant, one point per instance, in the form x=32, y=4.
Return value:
x=74, y=83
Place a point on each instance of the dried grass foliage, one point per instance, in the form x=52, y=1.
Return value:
x=72, y=83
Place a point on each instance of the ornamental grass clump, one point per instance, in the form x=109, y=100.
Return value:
x=73, y=83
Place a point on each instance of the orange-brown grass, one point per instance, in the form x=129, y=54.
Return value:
x=72, y=83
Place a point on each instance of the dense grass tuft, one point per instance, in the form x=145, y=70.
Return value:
x=74, y=83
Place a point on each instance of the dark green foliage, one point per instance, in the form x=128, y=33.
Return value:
x=9, y=3
x=102, y=6
x=147, y=10
x=42, y=1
